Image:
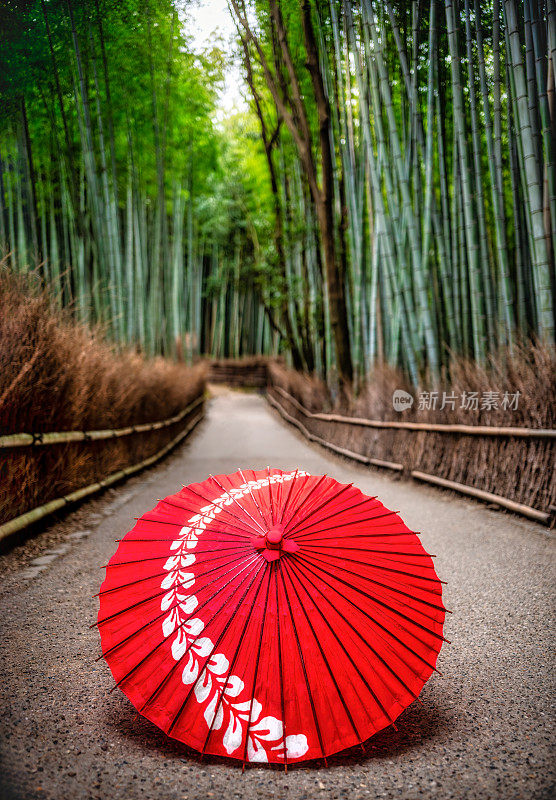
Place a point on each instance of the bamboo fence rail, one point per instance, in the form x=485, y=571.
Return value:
x=61, y=437
x=488, y=497
x=36, y=514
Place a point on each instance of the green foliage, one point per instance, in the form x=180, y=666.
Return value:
x=182, y=233
x=124, y=187
x=442, y=136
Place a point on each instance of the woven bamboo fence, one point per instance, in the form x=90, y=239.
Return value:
x=168, y=433
x=511, y=467
x=248, y=372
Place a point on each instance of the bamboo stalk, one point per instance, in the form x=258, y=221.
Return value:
x=418, y=274
x=486, y=278
x=469, y=210
x=541, y=266
x=495, y=181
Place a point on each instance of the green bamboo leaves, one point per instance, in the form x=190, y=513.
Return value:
x=390, y=195
x=108, y=152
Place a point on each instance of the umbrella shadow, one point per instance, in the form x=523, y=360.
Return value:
x=416, y=726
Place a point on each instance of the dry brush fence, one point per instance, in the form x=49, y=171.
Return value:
x=511, y=466
x=123, y=447
x=76, y=414
x=432, y=447
x=250, y=372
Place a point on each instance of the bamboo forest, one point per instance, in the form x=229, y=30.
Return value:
x=306, y=248
x=385, y=191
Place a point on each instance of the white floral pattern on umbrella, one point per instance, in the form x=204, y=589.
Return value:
x=221, y=695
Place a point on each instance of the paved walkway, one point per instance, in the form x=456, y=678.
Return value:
x=483, y=731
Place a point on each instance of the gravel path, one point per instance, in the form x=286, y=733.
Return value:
x=484, y=730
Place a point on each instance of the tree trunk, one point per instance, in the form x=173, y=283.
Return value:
x=268, y=144
x=325, y=208
x=31, y=182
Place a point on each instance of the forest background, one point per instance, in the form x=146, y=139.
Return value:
x=385, y=196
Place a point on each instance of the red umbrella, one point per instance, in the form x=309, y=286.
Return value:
x=271, y=616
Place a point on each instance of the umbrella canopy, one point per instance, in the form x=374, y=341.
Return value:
x=271, y=616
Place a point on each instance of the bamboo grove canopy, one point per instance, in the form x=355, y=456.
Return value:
x=388, y=194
